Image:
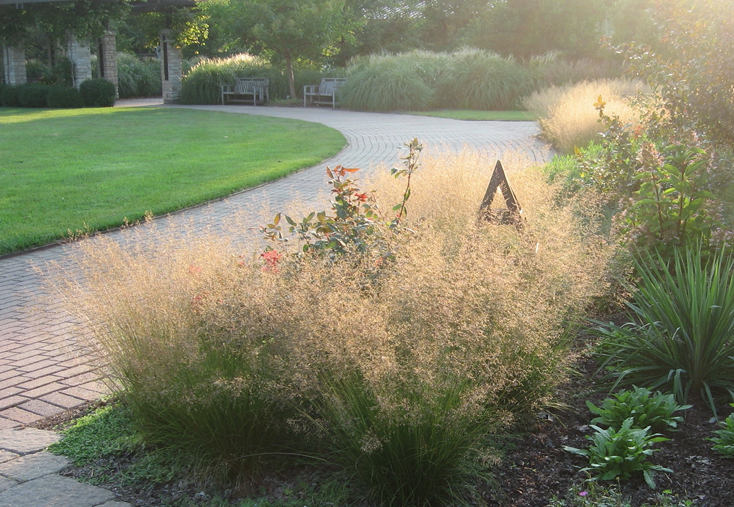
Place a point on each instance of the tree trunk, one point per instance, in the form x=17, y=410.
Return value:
x=289, y=70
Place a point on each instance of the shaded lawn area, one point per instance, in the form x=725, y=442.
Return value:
x=64, y=170
x=457, y=114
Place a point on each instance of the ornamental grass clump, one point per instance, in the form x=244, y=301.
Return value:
x=397, y=369
x=482, y=80
x=568, y=118
x=392, y=82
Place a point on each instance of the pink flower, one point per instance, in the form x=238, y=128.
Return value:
x=271, y=258
x=583, y=493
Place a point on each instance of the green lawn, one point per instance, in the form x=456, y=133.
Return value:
x=480, y=115
x=73, y=169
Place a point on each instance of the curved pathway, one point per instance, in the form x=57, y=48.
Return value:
x=43, y=370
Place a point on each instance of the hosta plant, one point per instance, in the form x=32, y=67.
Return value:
x=619, y=454
x=645, y=408
x=724, y=439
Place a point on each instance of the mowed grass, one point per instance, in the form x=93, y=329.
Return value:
x=458, y=114
x=69, y=170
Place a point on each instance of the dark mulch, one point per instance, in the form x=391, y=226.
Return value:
x=537, y=468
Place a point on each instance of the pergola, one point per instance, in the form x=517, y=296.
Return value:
x=79, y=52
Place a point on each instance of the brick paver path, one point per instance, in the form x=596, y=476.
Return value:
x=44, y=370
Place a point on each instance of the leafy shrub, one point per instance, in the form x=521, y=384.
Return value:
x=644, y=407
x=567, y=116
x=97, y=93
x=400, y=378
x=681, y=323
x=484, y=81
x=619, y=454
x=60, y=97
x=662, y=179
x=137, y=78
x=690, y=65
x=33, y=95
x=724, y=439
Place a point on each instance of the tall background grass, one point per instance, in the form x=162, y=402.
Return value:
x=413, y=81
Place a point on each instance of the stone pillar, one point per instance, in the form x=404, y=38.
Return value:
x=171, y=67
x=14, y=65
x=108, y=59
x=81, y=60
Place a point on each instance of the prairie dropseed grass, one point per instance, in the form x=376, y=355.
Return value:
x=399, y=378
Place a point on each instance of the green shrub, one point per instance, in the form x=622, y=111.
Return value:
x=621, y=453
x=97, y=93
x=724, y=439
x=644, y=407
x=484, y=81
x=9, y=96
x=33, y=95
x=681, y=323
x=60, y=97
x=137, y=78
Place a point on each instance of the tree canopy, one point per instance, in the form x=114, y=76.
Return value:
x=85, y=18
x=287, y=30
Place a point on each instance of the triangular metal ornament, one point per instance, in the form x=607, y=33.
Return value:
x=512, y=215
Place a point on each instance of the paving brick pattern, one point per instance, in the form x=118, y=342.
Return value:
x=45, y=369
x=29, y=476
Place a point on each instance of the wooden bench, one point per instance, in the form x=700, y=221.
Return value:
x=247, y=89
x=324, y=93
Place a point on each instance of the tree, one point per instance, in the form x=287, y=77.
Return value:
x=86, y=19
x=691, y=65
x=288, y=30
x=532, y=27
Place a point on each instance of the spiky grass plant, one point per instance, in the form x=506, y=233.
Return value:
x=680, y=329
x=567, y=115
x=401, y=378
